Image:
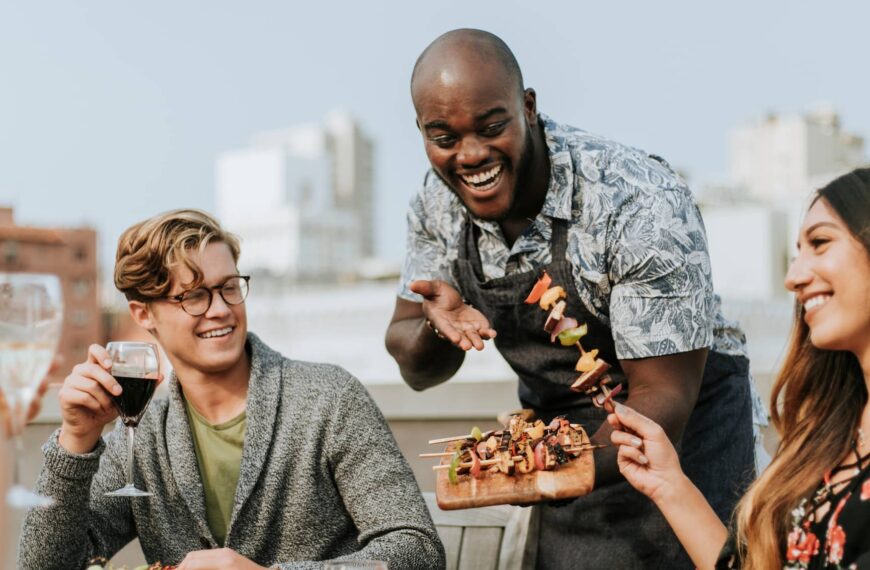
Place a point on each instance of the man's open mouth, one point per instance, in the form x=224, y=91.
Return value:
x=483, y=181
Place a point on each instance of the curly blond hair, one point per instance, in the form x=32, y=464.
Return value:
x=149, y=251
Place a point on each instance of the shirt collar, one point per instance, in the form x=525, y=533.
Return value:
x=560, y=194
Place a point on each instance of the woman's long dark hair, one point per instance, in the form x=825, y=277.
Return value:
x=816, y=404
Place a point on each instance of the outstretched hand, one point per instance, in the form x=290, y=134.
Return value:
x=450, y=317
x=647, y=458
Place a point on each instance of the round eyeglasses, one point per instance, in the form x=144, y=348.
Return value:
x=197, y=302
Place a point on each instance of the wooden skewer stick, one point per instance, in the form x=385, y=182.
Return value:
x=483, y=463
x=442, y=454
x=585, y=447
x=449, y=439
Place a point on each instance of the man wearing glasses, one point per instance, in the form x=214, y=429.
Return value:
x=254, y=460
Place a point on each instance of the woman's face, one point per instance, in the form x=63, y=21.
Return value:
x=831, y=278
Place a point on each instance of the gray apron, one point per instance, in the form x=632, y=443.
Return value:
x=615, y=526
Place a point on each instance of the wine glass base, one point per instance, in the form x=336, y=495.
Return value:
x=20, y=497
x=129, y=491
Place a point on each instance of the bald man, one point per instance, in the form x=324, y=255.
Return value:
x=511, y=193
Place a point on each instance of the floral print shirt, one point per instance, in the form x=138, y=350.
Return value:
x=829, y=531
x=636, y=241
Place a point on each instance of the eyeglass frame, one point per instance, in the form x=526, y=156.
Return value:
x=179, y=299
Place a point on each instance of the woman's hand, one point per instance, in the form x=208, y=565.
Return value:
x=647, y=458
x=450, y=318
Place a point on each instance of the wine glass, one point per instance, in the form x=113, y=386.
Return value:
x=136, y=367
x=354, y=565
x=31, y=318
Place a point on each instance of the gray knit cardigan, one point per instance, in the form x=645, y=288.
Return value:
x=321, y=478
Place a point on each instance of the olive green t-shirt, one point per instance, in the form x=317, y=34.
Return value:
x=218, y=455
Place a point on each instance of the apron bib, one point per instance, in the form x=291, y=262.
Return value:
x=614, y=526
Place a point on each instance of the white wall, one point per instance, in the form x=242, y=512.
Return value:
x=748, y=250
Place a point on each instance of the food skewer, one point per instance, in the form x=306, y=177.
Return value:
x=483, y=463
x=572, y=449
x=488, y=462
x=471, y=436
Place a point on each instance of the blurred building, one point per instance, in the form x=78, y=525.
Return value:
x=70, y=253
x=748, y=245
x=302, y=199
x=774, y=166
x=782, y=158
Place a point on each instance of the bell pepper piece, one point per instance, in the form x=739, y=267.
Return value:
x=540, y=286
x=476, y=433
x=451, y=471
x=571, y=336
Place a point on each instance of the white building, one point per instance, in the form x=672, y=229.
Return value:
x=301, y=199
x=774, y=166
x=748, y=245
x=782, y=158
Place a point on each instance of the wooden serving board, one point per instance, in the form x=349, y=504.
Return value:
x=574, y=479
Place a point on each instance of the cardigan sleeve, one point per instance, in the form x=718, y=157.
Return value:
x=82, y=523
x=377, y=487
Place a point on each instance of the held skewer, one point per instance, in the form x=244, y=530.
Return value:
x=588, y=447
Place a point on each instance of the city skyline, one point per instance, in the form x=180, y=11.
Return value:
x=111, y=114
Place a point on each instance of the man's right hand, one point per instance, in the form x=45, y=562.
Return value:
x=454, y=320
x=86, y=401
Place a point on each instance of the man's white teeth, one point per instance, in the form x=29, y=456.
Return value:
x=219, y=332
x=483, y=178
x=816, y=301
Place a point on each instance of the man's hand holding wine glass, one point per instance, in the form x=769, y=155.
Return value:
x=86, y=401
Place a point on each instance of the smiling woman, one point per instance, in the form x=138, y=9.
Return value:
x=811, y=507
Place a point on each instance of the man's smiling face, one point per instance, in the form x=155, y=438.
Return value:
x=476, y=123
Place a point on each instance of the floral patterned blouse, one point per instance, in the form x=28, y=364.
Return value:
x=830, y=530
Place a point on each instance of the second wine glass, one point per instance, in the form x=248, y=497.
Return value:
x=136, y=367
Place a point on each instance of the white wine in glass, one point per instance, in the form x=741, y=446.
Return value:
x=31, y=317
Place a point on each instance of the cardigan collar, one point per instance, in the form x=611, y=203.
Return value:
x=261, y=407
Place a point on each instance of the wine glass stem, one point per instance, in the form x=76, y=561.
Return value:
x=19, y=451
x=131, y=433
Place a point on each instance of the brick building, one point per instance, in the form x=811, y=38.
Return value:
x=72, y=255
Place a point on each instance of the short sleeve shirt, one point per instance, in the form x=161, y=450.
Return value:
x=636, y=245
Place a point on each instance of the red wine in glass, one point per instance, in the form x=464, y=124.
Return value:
x=136, y=367
x=134, y=399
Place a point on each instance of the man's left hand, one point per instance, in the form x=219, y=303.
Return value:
x=217, y=559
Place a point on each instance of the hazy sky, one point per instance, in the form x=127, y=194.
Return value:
x=113, y=111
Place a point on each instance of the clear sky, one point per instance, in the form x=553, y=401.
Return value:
x=112, y=111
